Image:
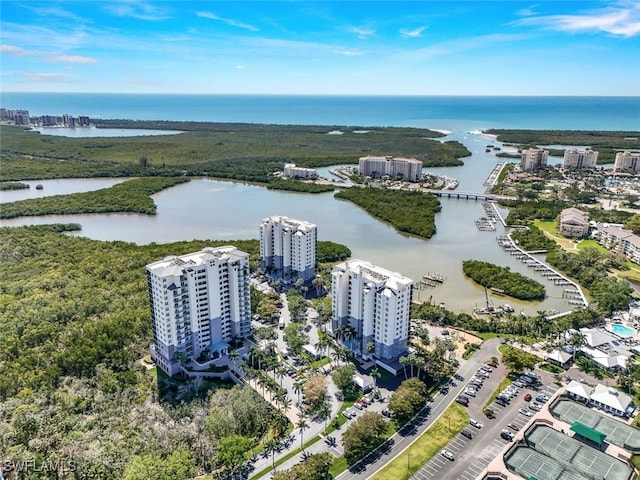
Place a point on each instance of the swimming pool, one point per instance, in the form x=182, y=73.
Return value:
x=623, y=330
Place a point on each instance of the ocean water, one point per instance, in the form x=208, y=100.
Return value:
x=438, y=112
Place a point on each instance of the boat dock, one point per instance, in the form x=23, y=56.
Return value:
x=573, y=293
x=432, y=279
x=492, y=179
x=492, y=216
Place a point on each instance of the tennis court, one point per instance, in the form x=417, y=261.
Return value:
x=528, y=463
x=576, y=456
x=618, y=433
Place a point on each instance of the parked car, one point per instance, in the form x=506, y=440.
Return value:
x=513, y=427
x=524, y=412
x=471, y=392
x=506, y=434
x=500, y=402
x=493, y=364
x=447, y=454
x=487, y=368
x=358, y=406
x=475, y=423
x=467, y=433
x=542, y=398
x=504, y=398
x=519, y=384
x=462, y=400
x=527, y=397
x=535, y=406
x=387, y=413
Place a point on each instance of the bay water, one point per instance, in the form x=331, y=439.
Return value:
x=206, y=208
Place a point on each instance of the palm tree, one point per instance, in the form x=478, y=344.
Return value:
x=375, y=374
x=404, y=361
x=298, y=387
x=270, y=447
x=318, y=284
x=302, y=425
x=233, y=356
x=577, y=340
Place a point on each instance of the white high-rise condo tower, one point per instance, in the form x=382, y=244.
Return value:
x=370, y=307
x=199, y=303
x=533, y=159
x=288, y=248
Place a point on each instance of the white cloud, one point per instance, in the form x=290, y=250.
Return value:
x=48, y=77
x=70, y=59
x=416, y=32
x=228, y=21
x=348, y=53
x=621, y=19
x=240, y=67
x=54, y=12
x=17, y=51
x=49, y=57
x=139, y=10
x=362, y=32
x=527, y=11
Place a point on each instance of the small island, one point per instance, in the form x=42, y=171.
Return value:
x=502, y=279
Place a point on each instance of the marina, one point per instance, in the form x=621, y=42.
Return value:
x=573, y=294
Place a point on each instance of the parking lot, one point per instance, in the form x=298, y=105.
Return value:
x=471, y=456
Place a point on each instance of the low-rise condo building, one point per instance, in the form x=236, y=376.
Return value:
x=409, y=169
x=370, y=307
x=573, y=223
x=288, y=248
x=533, y=159
x=620, y=241
x=578, y=159
x=291, y=171
x=199, y=303
x=627, y=162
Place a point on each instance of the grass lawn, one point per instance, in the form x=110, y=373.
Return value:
x=452, y=421
x=503, y=384
x=520, y=338
x=550, y=230
x=583, y=244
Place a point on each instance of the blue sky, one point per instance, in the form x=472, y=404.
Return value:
x=298, y=47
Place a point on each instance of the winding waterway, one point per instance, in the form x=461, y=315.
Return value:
x=211, y=209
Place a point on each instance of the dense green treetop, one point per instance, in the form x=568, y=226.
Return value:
x=130, y=196
x=363, y=436
x=532, y=238
x=407, y=212
x=606, y=142
x=239, y=151
x=314, y=467
x=407, y=400
x=512, y=283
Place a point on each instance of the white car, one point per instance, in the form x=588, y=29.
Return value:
x=535, y=406
x=470, y=391
x=447, y=454
x=524, y=412
x=475, y=423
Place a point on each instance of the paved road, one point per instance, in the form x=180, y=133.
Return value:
x=435, y=409
x=472, y=456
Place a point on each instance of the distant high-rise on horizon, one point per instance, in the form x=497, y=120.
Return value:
x=575, y=158
x=372, y=304
x=628, y=162
x=533, y=159
x=409, y=169
x=199, y=303
x=288, y=248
